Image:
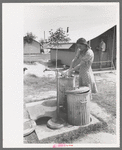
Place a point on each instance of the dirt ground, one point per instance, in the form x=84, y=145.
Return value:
x=103, y=104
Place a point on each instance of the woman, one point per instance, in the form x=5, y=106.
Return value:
x=86, y=57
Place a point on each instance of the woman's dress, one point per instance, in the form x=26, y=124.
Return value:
x=86, y=77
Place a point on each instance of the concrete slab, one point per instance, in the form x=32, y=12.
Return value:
x=45, y=108
x=47, y=135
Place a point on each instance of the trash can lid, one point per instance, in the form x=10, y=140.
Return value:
x=80, y=90
x=63, y=77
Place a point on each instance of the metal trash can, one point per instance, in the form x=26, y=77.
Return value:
x=78, y=106
x=65, y=83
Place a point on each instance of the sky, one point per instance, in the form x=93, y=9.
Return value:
x=83, y=19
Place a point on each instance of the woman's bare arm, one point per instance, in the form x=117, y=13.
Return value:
x=77, y=67
x=75, y=59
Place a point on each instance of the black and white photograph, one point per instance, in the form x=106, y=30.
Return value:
x=68, y=56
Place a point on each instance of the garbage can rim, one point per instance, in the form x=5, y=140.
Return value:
x=62, y=77
x=80, y=90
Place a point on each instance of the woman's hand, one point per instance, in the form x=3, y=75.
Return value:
x=64, y=73
x=69, y=73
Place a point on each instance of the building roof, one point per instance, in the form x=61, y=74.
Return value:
x=95, y=35
x=63, y=46
x=36, y=41
x=112, y=29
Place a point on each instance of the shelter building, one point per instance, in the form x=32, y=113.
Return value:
x=32, y=48
x=66, y=51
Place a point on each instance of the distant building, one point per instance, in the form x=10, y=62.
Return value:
x=109, y=37
x=66, y=51
x=32, y=48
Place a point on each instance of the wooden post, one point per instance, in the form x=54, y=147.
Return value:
x=56, y=58
x=112, y=64
x=57, y=94
x=44, y=36
x=56, y=122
